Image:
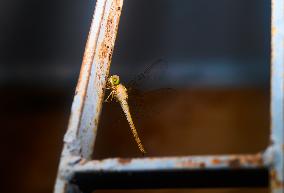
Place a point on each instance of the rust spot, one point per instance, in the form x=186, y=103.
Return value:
x=202, y=165
x=110, y=55
x=192, y=164
x=124, y=161
x=188, y=163
x=275, y=182
x=96, y=121
x=234, y=163
x=255, y=159
x=82, y=161
x=103, y=51
x=216, y=161
x=106, y=46
x=273, y=31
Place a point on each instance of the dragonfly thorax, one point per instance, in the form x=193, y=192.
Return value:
x=113, y=80
x=121, y=92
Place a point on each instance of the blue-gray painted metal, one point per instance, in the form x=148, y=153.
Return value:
x=277, y=94
x=172, y=163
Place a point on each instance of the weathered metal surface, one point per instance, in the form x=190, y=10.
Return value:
x=171, y=163
x=171, y=172
x=98, y=77
x=88, y=100
x=87, y=103
x=277, y=95
x=71, y=136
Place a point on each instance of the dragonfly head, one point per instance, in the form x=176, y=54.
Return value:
x=113, y=80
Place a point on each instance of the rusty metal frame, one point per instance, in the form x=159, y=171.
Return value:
x=277, y=95
x=75, y=164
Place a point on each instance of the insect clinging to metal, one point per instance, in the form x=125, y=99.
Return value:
x=119, y=92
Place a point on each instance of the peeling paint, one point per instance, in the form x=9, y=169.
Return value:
x=174, y=163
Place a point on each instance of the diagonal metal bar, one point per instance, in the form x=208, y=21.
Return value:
x=86, y=108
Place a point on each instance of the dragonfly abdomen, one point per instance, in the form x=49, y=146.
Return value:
x=121, y=96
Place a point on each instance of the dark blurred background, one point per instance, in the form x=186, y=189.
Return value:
x=218, y=58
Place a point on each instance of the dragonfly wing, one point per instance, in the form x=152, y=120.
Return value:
x=146, y=104
x=154, y=71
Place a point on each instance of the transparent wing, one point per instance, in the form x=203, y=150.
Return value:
x=152, y=73
x=146, y=89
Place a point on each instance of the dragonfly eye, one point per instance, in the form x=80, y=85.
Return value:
x=115, y=80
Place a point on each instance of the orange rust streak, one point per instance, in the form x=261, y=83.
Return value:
x=275, y=183
x=216, y=161
x=105, y=48
x=104, y=51
x=191, y=163
x=124, y=161
x=233, y=161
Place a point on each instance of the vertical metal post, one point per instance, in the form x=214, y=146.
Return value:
x=277, y=95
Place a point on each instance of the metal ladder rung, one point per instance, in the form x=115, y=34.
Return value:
x=186, y=172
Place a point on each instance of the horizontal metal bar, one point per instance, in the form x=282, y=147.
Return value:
x=170, y=163
x=191, y=171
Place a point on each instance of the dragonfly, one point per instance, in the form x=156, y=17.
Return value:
x=119, y=92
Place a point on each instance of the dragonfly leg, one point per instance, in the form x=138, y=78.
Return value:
x=110, y=96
